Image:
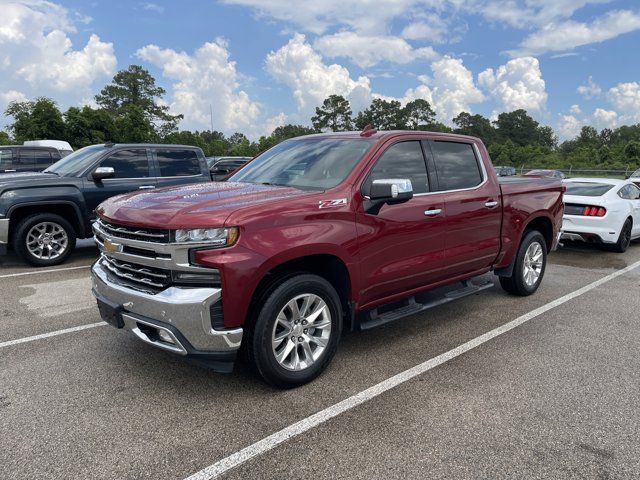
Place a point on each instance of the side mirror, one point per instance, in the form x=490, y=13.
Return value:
x=101, y=173
x=391, y=191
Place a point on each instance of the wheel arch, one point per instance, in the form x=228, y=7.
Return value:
x=66, y=209
x=540, y=223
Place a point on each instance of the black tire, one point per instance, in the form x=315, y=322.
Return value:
x=259, y=351
x=22, y=231
x=624, y=239
x=516, y=283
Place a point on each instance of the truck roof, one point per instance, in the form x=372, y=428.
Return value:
x=382, y=134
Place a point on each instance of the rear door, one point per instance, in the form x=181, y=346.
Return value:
x=133, y=171
x=43, y=159
x=25, y=160
x=401, y=246
x=472, y=206
x=178, y=166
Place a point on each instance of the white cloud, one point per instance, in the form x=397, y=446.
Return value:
x=569, y=126
x=575, y=110
x=429, y=26
x=516, y=84
x=153, y=7
x=366, y=51
x=206, y=78
x=37, y=56
x=559, y=37
x=302, y=69
x=590, y=90
x=625, y=97
x=605, y=118
x=451, y=89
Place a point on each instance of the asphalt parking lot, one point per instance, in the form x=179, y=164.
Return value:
x=555, y=397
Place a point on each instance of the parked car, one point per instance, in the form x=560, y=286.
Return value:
x=42, y=214
x=547, y=173
x=21, y=158
x=318, y=234
x=635, y=177
x=502, y=171
x=602, y=210
x=63, y=147
x=223, y=167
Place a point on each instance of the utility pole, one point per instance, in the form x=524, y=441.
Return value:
x=211, y=116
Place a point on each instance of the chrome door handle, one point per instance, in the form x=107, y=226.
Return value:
x=491, y=204
x=146, y=187
x=433, y=212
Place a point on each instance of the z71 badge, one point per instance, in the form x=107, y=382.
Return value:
x=332, y=203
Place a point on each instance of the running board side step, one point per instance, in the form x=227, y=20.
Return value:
x=419, y=303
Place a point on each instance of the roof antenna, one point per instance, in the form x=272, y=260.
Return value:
x=367, y=131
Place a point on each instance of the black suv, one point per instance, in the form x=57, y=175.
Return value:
x=42, y=214
x=21, y=158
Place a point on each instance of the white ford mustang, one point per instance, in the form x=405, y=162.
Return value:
x=602, y=210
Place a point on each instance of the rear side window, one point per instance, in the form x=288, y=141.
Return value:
x=26, y=158
x=128, y=163
x=403, y=160
x=178, y=163
x=629, y=192
x=457, y=165
x=587, y=189
x=6, y=158
x=43, y=159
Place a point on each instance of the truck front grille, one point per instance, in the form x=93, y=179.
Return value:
x=135, y=233
x=138, y=277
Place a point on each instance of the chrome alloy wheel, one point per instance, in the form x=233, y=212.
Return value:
x=301, y=332
x=47, y=240
x=532, y=267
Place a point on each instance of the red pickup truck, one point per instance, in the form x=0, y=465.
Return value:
x=319, y=234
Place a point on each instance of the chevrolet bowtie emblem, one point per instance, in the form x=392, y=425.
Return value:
x=111, y=247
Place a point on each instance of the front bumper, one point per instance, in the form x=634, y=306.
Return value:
x=4, y=235
x=181, y=315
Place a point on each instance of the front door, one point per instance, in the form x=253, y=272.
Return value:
x=178, y=167
x=132, y=172
x=401, y=246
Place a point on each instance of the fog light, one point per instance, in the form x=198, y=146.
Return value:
x=165, y=337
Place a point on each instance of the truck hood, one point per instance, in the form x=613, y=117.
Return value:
x=199, y=205
x=29, y=179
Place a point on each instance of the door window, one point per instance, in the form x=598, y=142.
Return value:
x=42, y=159
x=402, y=160
x=457, y=165
x=26, y=158
x=6, y=158
x=178, y=163
x=128, y=163
x=633, y=192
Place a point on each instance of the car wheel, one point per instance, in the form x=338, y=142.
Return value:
x=624, y=240
x=44, y=239
x=529, y=267
x=295, y=333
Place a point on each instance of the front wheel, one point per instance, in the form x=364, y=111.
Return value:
x=529, y=266
x=295, y=334
x=44, y=239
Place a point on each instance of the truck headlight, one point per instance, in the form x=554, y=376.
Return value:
x=217, y=237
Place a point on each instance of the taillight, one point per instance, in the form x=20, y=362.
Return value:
x=589, y=211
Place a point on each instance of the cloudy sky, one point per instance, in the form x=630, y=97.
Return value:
x=262, y=63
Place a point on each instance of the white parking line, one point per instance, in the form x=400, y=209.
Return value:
x=272, y=441
x=40, y=272
x=50, y=334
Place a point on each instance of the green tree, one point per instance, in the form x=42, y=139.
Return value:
x=418, y=115
x=632, y=151
x=35, y=120
x=476, y=126
x=4, y=138
x=132, y=126
x=383, y=115
x=87, y=126
x=334, y=115
x=136, y=87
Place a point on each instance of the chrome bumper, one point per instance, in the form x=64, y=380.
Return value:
x=175, y=309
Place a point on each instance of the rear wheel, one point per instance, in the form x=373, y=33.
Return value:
x=44, y=239
x=530, y=264
x=624, y=240
x=295, y=334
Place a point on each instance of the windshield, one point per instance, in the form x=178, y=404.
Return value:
x=77, y=162
x=307, y=163
x=636, y=173
x=587, y=189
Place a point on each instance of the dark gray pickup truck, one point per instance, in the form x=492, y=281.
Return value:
x=42, y=214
